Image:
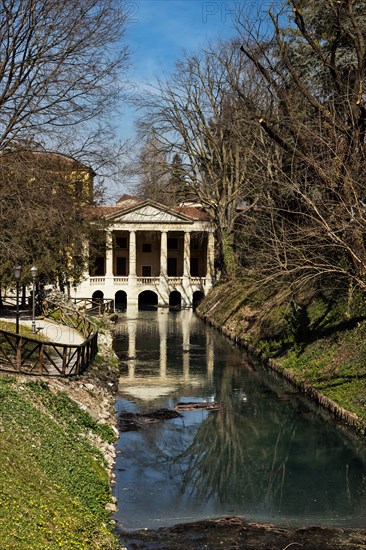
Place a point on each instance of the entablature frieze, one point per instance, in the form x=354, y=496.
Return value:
x=186, y=228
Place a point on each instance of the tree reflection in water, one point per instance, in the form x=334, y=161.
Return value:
x=264, y=454
x=229, y=458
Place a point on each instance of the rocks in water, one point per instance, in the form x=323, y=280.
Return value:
x=238, y=533
x=163, y=414
x=129, y=422
x=197, y=406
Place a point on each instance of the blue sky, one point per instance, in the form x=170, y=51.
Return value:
x=157, y=33
x=159, y=30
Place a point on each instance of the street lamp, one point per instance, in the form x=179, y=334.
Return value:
x=17, y=276
x=34, y=272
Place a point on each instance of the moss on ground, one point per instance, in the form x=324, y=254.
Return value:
x=53, y=481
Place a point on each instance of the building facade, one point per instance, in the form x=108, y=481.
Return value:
x=152, y=255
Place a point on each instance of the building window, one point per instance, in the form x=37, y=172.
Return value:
x=195, y=243
x=194, y=267
x=97, y=267
x=146, y=247
x=121, y=266
x=121, y=242
x=146, y=270
x=172, y=267
x=172, y=243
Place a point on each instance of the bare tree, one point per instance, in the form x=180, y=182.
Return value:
x=43, y=221
x=158, y=178
x=59, y=67
x=310, y=229
x=195, y=113
x=60, y=80
x=151, y=168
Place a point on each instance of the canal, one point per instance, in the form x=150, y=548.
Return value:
x=267, y=453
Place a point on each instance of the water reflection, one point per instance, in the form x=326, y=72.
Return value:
x=265, y=454
x=144, y=340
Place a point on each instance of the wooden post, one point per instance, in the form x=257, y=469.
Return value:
x=19, y=353
x=64, y=360
x=41, y=350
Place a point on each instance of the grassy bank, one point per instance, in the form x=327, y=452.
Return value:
x=320, y=340
x=54, y=484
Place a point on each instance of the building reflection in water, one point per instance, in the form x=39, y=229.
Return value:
x=156, y=350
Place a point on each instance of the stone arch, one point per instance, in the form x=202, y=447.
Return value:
x=120, y=300
x=98, y=296
x=198, y=296
x=148, y=300
x=175, y=299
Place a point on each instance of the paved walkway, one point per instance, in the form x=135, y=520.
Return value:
x=52, y=331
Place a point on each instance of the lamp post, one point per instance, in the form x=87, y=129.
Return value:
x=17, y=276
x=34, y=272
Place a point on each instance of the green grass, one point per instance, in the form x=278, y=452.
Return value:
x=325, y=347
x=53, y=481
x=24, y=330
x=321, y=338
x=336, y=366
x=99, y=362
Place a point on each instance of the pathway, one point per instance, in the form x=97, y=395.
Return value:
x=52, y=331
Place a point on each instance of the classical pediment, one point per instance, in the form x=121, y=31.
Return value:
x=149, y=212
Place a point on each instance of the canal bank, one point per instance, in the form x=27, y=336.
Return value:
x=57, y=457
x=316, y=345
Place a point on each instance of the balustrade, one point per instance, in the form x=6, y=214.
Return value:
x=121, y=281
x=149, y=281
x=96, y=281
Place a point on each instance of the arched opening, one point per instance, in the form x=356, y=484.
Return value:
x=148, y=300
x=197, y=298
x=120, y=300
x=98, y=296
x=175, y=300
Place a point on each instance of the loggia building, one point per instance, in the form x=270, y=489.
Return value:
x=153, y=254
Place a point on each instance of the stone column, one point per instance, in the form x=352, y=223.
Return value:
x=132, y=329
x=109, y=255
x=163, y=334
x=164, y=254
x=187, y=255
x=210, y=273
x=132, y=254
x=186, y=317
